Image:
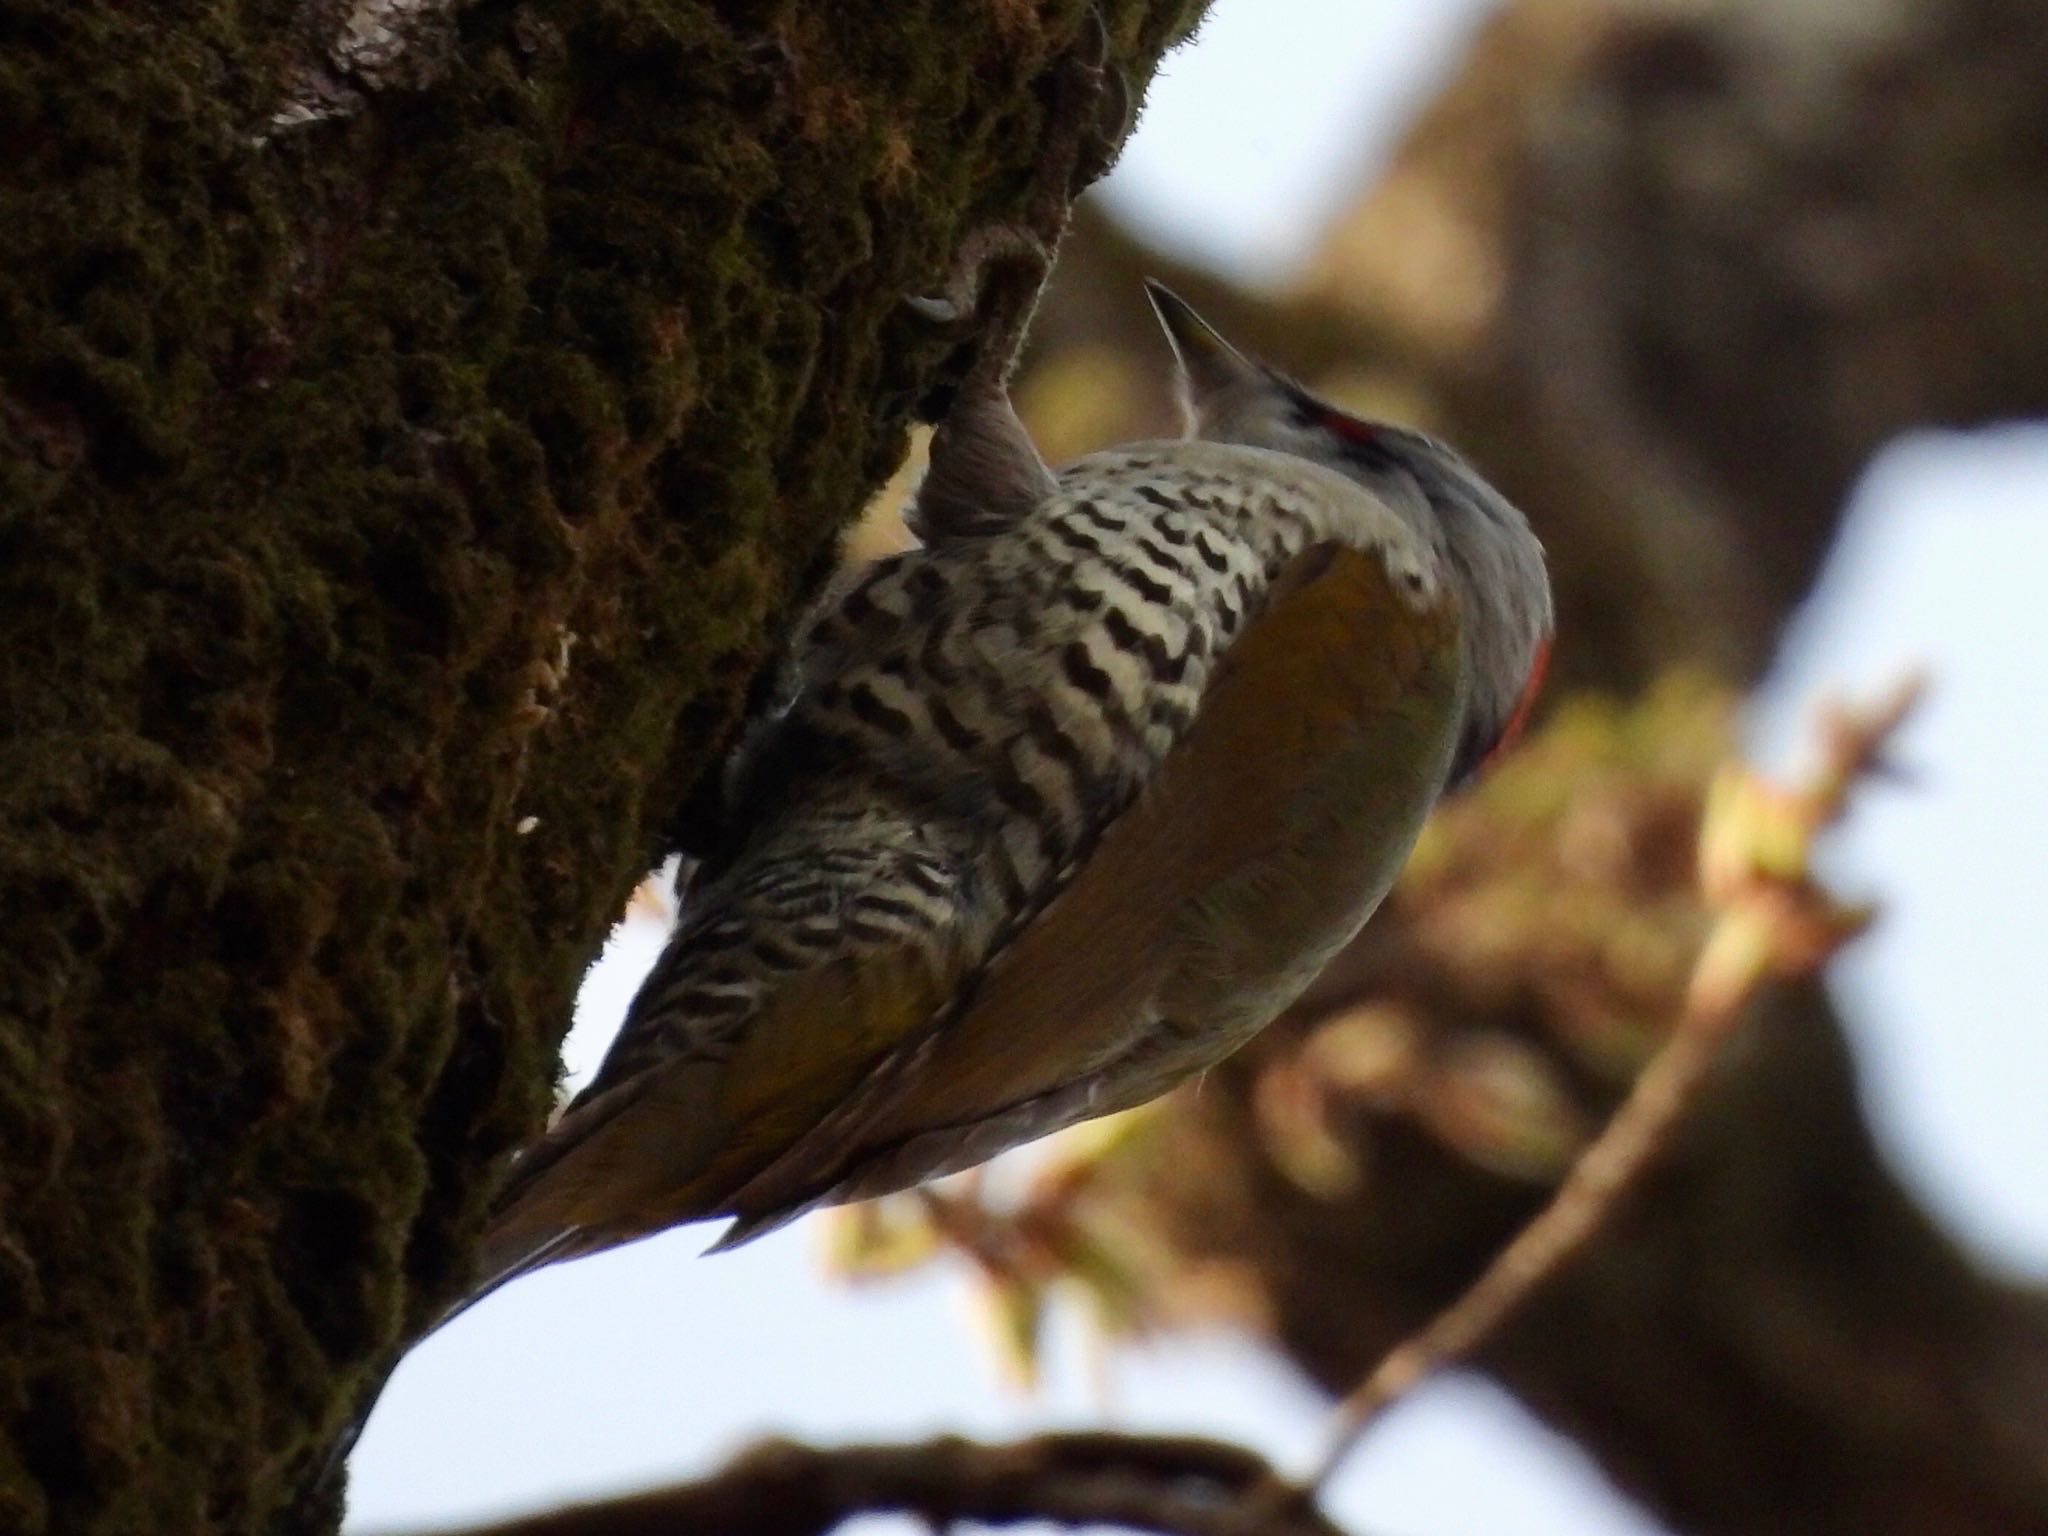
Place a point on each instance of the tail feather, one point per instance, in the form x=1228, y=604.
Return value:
x=508, y=1256
x=745, y=1229
x=730, y=1056
x=544, y=1211
x=502, y=1269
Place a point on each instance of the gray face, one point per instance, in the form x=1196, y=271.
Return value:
x=1494, y=561
x=1491, y=557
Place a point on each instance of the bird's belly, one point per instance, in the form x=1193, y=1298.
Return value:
x=1250, y=943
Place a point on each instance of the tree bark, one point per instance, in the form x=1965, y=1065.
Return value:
x=1672, y=275
x=417, y=421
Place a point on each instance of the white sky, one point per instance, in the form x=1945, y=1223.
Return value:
x=646, y=1365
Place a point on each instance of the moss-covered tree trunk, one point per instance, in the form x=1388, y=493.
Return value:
x=417, y=420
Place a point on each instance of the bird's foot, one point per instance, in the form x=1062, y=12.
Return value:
x=993, y=283
x=1091, y=112
x=960, y=298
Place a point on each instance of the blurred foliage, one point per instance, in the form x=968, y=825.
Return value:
x=1615, y=872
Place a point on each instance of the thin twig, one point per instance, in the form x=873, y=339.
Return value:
x=1773, y=919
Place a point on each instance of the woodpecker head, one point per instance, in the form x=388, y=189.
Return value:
x=1492, y=560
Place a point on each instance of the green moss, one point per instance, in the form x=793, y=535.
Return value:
x=366, y=488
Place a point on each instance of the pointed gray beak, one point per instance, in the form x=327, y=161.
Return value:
x=1209, y=370
x=1195, y=341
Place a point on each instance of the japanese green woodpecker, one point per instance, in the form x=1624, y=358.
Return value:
x=1060, y=808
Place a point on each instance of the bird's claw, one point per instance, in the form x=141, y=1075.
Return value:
x=1075, y=148
x=1091, y=112
x=936, y=308
x=966, y=283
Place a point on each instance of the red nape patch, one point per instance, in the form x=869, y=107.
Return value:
x=1350, y=428
x=1525, y=706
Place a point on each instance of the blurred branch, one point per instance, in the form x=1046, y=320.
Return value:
x=1773, y=919
x=1173, y=1486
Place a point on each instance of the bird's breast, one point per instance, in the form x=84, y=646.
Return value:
x=1042, y=674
